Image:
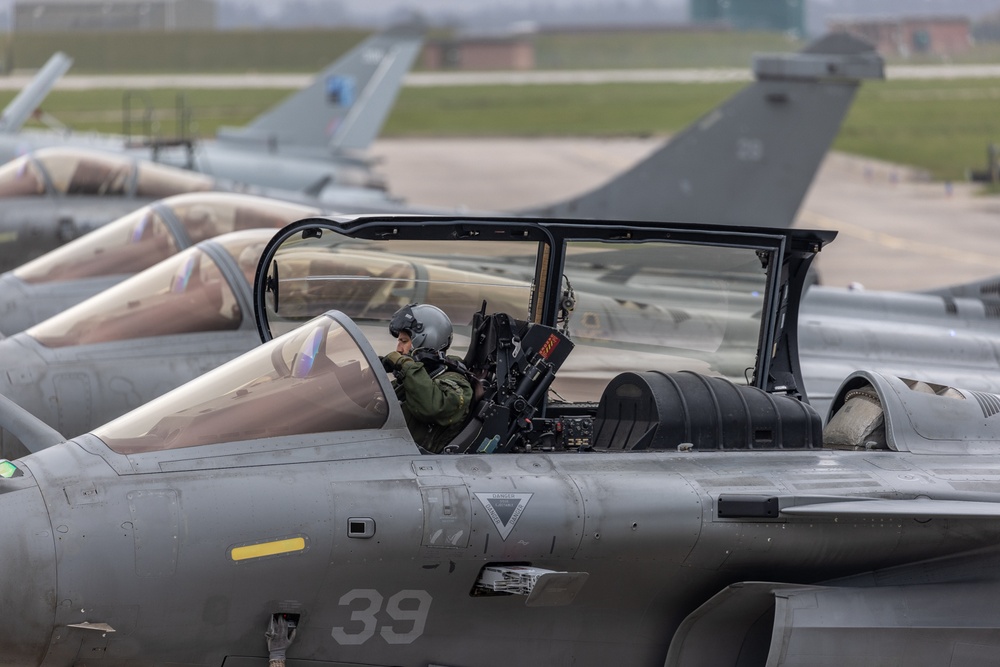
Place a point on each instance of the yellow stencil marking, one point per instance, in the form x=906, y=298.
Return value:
x=268, y=549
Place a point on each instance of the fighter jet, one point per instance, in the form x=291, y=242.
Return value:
x=84, y=267
x=306, y=142
x=679, y=520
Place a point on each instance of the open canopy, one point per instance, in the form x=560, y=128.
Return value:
x=645, y=296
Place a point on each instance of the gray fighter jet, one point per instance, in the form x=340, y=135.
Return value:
x=679, y=520
x=306, y=142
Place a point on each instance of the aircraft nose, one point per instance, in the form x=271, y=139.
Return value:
x=27, y=570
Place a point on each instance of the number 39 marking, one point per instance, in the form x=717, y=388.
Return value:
x=410, y=608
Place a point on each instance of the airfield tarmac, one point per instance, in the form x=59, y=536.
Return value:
x=898, y=231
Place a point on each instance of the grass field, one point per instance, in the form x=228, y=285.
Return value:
x=309, y=50
x=942, y=126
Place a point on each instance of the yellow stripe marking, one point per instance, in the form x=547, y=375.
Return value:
x=268, y=549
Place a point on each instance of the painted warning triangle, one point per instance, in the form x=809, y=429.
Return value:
x=504, y=509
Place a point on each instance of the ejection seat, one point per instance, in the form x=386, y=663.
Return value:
x=511, y=364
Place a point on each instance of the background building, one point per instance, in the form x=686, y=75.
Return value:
x=937, y=35
x=112, y=15
x=484, y=52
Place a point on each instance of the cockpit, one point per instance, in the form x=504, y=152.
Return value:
x=191, y=291
x=77, y=171
x=152, y=233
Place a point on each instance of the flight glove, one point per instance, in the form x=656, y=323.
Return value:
x=394, y=361
x=279, y=638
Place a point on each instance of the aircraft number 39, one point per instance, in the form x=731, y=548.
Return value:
x=406, y=609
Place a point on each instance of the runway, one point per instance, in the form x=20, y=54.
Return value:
x=249, y=80
x=897, y=231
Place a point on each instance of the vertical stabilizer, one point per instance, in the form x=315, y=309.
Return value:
x=346, y=105
x=24, y=104
x=751, y=160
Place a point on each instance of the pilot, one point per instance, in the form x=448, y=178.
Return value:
x=434, y=390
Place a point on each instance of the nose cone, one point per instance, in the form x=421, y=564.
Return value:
x=27, y=573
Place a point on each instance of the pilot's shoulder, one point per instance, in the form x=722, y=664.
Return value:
x=456, y=379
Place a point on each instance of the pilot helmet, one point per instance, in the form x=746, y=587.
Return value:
x=427, y=326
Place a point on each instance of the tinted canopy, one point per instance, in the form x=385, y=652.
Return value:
x=315, y=379
x=79, y=171
x=152, y=233
x=186, y=293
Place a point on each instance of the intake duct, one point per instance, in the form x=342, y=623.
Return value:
x=654, y=410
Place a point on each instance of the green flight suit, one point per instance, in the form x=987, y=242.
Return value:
x=435, y=409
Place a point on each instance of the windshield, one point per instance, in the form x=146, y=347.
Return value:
x=128, y=245
x=21, y=177
x=312, y=380
x=185, y=293
x=142, y=238
x=662, y=306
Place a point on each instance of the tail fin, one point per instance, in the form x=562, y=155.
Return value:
x=24, y=104
x=751, y=160
x=346, y=105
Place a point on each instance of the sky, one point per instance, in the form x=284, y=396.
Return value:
x=377, y=13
